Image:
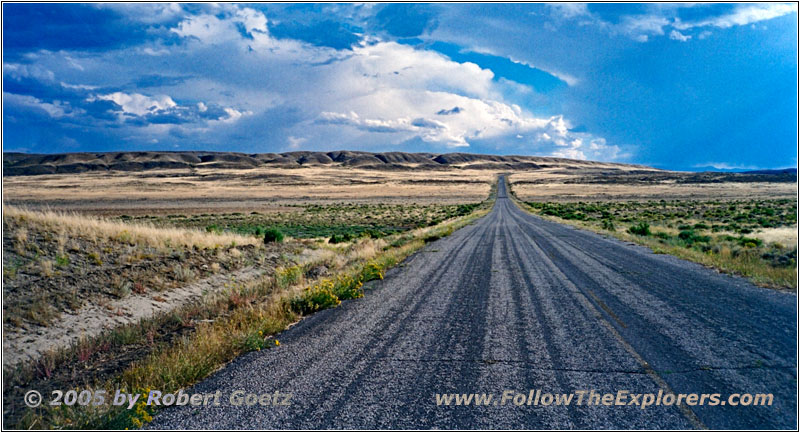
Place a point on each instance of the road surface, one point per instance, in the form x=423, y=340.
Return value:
x=514, y=302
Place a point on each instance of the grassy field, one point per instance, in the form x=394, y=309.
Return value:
x=736, y=223
x=55, y=262
x=753, y=238
x=338, y=222
x=327, y=253
x=164, y=275
x=589, y=185
x=265, y=190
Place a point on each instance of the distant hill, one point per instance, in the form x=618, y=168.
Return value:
x=711, y=168
x=22, y=164
x=775, y=171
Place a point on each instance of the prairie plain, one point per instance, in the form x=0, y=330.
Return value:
x=167, y=272
x=235, y=190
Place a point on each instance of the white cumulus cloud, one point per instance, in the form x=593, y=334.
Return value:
x=230, y=77
x=742, y=15
x=137, y=103
x=678, y=36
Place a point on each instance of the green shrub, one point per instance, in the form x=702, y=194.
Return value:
x=346, y=287
x=777, y=258
x=466, y=209
x=373, y=233
x=690, y=237
x=339, y=238
x=314, y=299
x=608, y=225
x=749, y=242
x=399, y=242
x=213, y=228
x=62, y=261
x=272, y=235
x=285, y=277
x=254, y=341
x=371, y=271
x=641, y=229
x=431, y=238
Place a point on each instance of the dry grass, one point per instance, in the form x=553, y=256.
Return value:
x=69, y=261
x=554, y=185
x=786, y=236
x=747, y=263
x=251, y=327
x=242, y=319
x=271, y=189
x=264, y=189
x=76, y=225
x=743, y=261
x=46, y=268
x=211, y=331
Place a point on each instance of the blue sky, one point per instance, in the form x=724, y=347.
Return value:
x=677, y=86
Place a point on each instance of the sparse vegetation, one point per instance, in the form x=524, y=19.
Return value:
x=341, y=229
x=339, y=222
x=138, y=232
x=66, y=260
x=175, y=349
x=95, y=258
x=641, y=229
x=724, y=234
x=339, y=238
x=609, y=183
x=286, y=277
x=271, y=235
x=330, y=292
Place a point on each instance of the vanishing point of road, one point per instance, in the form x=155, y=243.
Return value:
x=514, y=302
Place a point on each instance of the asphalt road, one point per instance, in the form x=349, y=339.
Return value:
x=514, y=302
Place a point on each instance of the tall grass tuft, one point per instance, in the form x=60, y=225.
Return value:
x=138, y=233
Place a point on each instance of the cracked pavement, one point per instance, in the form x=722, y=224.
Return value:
x=514, y=302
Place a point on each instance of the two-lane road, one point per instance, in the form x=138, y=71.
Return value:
x=514, y=302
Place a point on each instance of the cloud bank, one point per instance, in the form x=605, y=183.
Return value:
x=414, y=77
x=218, y=71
